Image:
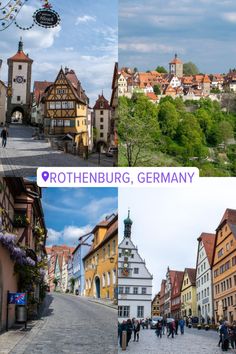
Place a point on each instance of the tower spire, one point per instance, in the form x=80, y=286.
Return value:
x=20, y=46
x=128, y=224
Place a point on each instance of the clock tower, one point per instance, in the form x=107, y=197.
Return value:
x=19, y=87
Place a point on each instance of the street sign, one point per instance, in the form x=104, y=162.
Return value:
x=17, y=298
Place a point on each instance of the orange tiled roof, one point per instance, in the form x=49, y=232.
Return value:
x=21, y=56
x=152, y=96
x=39, y=89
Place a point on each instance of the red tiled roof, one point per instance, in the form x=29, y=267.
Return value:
x=101, y=99
x=152, y=96
x=208, y=241
x=39, y=89
x=21, y=56
x=176, y=60
x=229, y=216
x=192, y=275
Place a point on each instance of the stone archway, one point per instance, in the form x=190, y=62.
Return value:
x=98, y=287
x=101, y=146
x=17, y=115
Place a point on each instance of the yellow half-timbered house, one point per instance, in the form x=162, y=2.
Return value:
x=66, y=108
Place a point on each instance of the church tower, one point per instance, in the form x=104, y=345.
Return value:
x=19, y=87
x=176, y=67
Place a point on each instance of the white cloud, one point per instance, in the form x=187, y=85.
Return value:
x=229, y=16
x=84, y=19
x=69, y=235
x=99, y=206
x=142, y=46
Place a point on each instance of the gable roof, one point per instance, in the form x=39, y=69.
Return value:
x=191, y=274
x=208, y=241
x=39, y=89
x=101, y=99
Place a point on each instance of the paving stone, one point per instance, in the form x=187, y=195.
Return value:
x=23, y=155
x=70, y=325
x=192, y=342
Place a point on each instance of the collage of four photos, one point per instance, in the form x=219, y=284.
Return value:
x=118, y=87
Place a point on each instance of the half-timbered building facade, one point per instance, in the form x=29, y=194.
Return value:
x=66, y=107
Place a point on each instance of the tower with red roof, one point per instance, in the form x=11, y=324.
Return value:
x=19, y=86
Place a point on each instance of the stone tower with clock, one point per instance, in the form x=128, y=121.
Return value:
x=19, y=87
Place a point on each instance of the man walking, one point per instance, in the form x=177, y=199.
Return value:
x=4, y=135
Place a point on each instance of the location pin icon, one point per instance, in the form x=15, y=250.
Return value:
x=45, y=176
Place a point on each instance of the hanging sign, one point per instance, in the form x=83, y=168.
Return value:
x=46, y=18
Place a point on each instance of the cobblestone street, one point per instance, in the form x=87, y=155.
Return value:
x=72, y=325
x=192, y=342
x=23, y=155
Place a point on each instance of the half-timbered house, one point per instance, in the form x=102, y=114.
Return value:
x=66, y=107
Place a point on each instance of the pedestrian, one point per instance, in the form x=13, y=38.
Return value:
x=176, y=326
x=233, y=335
x=171, y=329
x=163, y=322
x=225, y=337
x=136, y=330
x=159, y=329
x=4, y=135
x=220, y=335
x=181, y=325
x=129, y=327
x=123, y=327
x=147, y=323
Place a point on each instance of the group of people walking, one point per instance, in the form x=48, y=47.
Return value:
x=227, y=335
x=131, y=327
x=170, y=328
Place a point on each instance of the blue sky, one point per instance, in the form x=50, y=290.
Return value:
x=202, y=31
x=72, y=212
x=86, y=41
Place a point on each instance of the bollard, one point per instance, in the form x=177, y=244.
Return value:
x=124, y=340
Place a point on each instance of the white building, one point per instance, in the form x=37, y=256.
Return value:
x=134, y=280
x=122, y=85
x=204, y=276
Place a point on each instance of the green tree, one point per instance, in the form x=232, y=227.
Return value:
x=190, y=69
x=138, y=129
x=161, y=70
x=168, y=119
x=157, y=89
x=190, y=137
x=227, y=132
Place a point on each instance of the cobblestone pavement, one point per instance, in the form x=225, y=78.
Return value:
x=192, y=342
x=72, y=325
x=23, y=155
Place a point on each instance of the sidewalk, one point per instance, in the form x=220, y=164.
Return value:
x=104, y=302
x=13, y=338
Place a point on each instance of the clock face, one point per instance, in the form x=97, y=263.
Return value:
x=19, y=79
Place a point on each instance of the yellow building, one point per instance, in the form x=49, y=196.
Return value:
x=66, y=108
x=188, y=293
x=101, y=262
x=224, y=268
x=156, y=305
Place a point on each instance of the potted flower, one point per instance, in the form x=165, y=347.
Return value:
x=207, y=327
x=20, y=221
x=199, y=326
